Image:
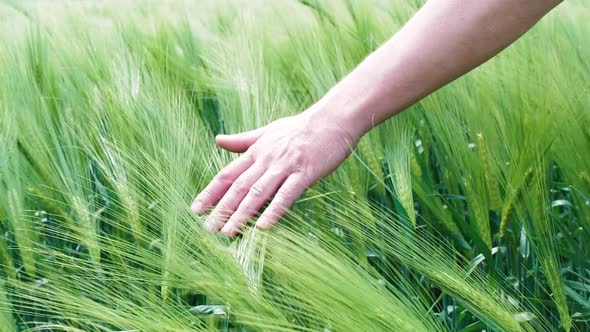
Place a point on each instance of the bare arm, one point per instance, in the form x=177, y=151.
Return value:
x=444, y=40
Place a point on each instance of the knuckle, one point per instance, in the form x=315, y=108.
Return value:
x=224, y=176
x=298, y=164
x=239, y=186
x=250, y=154
x=282, y=170
x=256, y=190
x=266, y=159
x=296, y=156
x=286, y=193
x=307, y=178
x=300, y=157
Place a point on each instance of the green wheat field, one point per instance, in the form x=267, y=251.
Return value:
x=468, y=212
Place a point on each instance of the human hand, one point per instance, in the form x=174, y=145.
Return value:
x=282, y=159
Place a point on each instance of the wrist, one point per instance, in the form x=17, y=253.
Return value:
x=328, y=115
x=349, y=107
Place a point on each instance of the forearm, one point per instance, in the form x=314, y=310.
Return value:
x=444, y=40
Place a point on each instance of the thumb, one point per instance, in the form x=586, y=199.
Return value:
x=239, y=142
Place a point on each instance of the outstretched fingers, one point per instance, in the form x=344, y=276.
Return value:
x=220, y=184
x=290, y=191
x=233, y=197
x=258, y=194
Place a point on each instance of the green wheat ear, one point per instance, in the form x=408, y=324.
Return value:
x=490, y=174
x=249, y=254
x=399, y=160
x=106, y=115
x=511, y=201
x=415, y=166
x=52, y=207
x=370, y=150
x=6, y=319
x=6, y=262
x=25, y=235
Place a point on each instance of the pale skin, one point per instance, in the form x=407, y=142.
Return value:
x=444, y=40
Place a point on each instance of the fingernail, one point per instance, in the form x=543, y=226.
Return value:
x=197, y=207
x=211, y=224
x=209, y=227
x=262, y=223
x=228, y=230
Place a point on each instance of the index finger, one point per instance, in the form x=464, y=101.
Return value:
x=220, y=184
